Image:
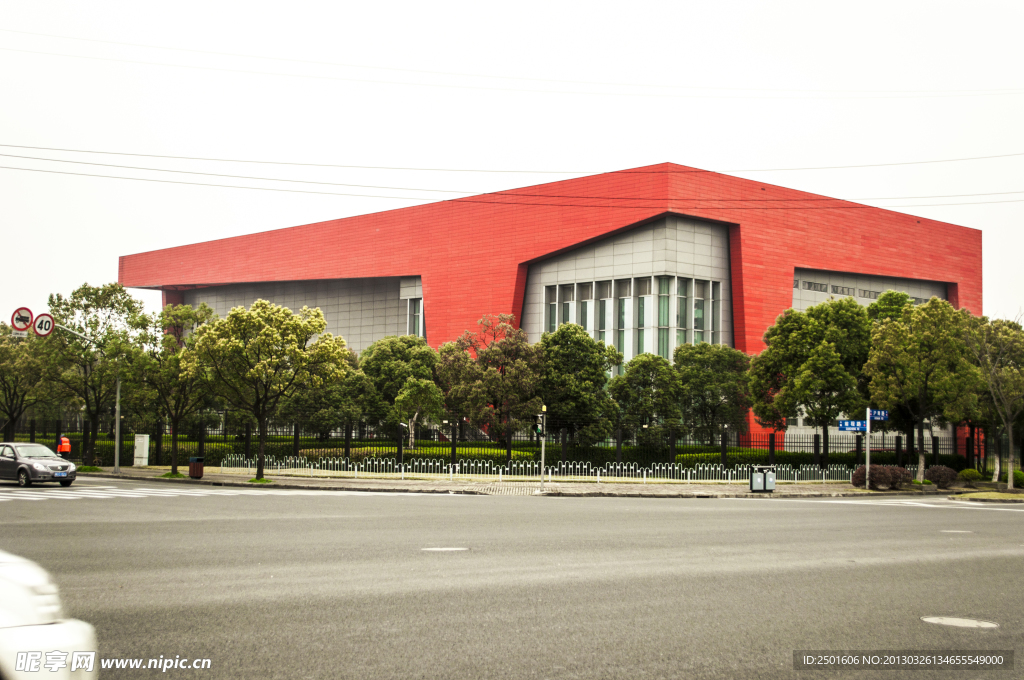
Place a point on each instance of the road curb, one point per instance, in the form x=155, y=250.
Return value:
x=990, y=500
x=278, y=485
x=474, y=492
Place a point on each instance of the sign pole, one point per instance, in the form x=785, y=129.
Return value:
x=117, y=425
x=543, y=439
x=867, y=451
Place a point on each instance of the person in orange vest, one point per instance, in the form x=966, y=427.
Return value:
x=64, y=446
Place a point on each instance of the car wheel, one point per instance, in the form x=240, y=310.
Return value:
x=23, y=478
x=66, y=482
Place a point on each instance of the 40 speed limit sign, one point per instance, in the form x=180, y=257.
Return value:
x=43, y=325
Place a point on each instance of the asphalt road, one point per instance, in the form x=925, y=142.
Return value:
x=339, y=585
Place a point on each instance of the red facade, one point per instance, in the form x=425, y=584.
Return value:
x=473, y=253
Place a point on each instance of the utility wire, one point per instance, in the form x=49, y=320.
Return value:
x=500, y=193
x=481, y=75
x=512, y=196
x=503, y=89
x=537, y=172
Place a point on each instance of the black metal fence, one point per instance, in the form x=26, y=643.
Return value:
x=216, y=437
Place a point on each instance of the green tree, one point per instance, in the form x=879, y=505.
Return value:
x=178, y=392
x=255, y=358
x=455, y=373
x=419, y=398
x=889, y=306
x=792, y=350
x=505, y=388
x=648, y=394
x=389, y=363
x=920, y=361
x=21, y=377
x=997, y=348
x=713, y=388
x=334, y=404
x=84, y=371
x=573, y=383
x=825, y=389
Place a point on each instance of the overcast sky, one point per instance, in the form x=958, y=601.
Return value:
x=534, y=86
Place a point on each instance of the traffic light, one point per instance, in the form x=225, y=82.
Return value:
x=538, y=424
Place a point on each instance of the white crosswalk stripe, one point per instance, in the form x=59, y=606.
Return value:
x=109, y=492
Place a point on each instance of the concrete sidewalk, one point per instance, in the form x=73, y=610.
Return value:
x=505, y=488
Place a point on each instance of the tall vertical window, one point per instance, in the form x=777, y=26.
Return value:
x=682, y=310
x=584, y=295
x=567, y=295
x=641, y=309
x=699, y=294
x=604, y=294
x=664, y=286
x=716, y=312
x=415, y=316
x=551, y=308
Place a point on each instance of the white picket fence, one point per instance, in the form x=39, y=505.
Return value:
x=485, y=470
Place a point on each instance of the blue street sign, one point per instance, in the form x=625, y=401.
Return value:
x=879, y=415
x=853, y=425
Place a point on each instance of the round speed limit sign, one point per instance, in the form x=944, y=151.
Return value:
x=43, y=325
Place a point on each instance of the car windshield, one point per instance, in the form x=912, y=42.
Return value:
x=35, y=451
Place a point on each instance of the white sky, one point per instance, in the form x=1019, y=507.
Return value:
x=715, y=85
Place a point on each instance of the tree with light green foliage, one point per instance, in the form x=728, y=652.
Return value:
x=648, y=394
x=178, y=392
x=573, y=383
x=335, y=404
x=85, y=371
x=418, y=398
x=997, y=349
x=889, y=306
x=713, y=385
x=21, y=377
x=255, y=358
x=920, y=360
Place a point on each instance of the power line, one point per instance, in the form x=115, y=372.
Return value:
x=537, y=172
x=517, y=193
x=512, y=196
x=495, y=77
x=504, y=89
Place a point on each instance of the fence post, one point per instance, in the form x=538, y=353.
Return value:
x=771, y=448
x=817, y=449
x=455, y=440
x=508, y=444
x=860, y=450
x=986, y=450
x=564, y=444
x=671, y=446
x=158, y=445
x=401, y=457
x=348, y=440
x=86, y=429
x=32, y=430
x=935, y=450
x=824, y=447
x=295, y=439
x=57, y=439
x=248, y=441
x=725, y=447
x=899, y=450
x=618, y=444
x=201, y=449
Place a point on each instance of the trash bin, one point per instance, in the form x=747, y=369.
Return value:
x=762, y=478
x=195, y=467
